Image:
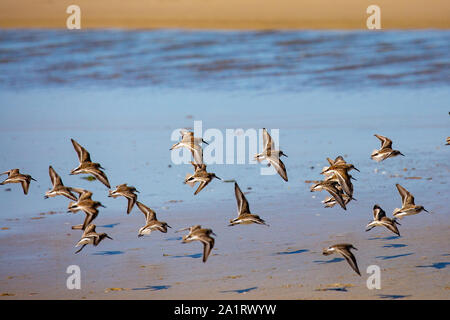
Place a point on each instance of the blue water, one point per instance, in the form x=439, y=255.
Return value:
x=228, y=60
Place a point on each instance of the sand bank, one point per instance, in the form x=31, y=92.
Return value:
x=230, y=14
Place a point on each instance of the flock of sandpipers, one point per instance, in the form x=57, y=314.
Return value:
x=337, y=183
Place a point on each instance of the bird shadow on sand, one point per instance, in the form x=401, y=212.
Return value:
x=338, y=289
x=240, y=290
x=108, y=253
x=110, y=226
x=291, y=252
x=329, y=261
x=174, y=239
x=393, y=296
x=385, y=238
x=394, y=256
x=194, y=256
x=152, y=288
x=437, y=265
x=395, y=245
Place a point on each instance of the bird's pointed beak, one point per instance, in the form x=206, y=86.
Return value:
x=356, y=169
x=426, y=210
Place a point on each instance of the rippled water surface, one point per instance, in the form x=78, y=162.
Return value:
x=224, y=60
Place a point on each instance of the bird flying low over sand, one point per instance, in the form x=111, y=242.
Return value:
x=272, y=156
x=380, y=219
x=201, y=176
x=127, y=192
x=14, y=176
x=408, y=208
x=385, y=151
x=344, y=250
x=87, y=166
x=333, y=188
x=196, y=233
x=151, y=222
x=338, y=172
x=90, y=236
x=85, y=204
x=58, y=188
x=244, y=214
x=192, y=144
x=330, y=202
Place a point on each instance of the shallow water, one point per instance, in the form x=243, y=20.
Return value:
x=228, y=60
x=121, y=94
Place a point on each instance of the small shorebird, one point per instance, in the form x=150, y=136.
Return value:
x=87, y=166
x=408, y=207
x=191, y=143
x=330, y=202
x=380, y=219
x=91, y=237
x=127, y=192
x=344, y=250
x=244, y=214
x=338, y=163
x=151, y=222
x=385, y=151
x=14, y=176
x=58, y=188
x=447, y=141
x=343, y=179
x=200, y=175
x=85, y=204
x=196, y=233
x=333, y=189
x=272, y=156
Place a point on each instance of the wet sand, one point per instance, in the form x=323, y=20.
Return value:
x=271, y=264
x=230, y=14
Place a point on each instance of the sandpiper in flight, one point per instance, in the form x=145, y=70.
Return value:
x=272, y=156
x=191, y=143
x=58, y=188
x=85, y=204
x=344, y=250
x=151, y=222
x=196, y=233
x=385, y=151
x=87, y=166
x=14, y=176
x=90, y=236
x=244, y=214
x=333, y=189
x=200, y=175
x=127, y=192
x=408, y=206
x=380, y=219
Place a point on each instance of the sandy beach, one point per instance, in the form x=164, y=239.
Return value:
x=230, y=14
